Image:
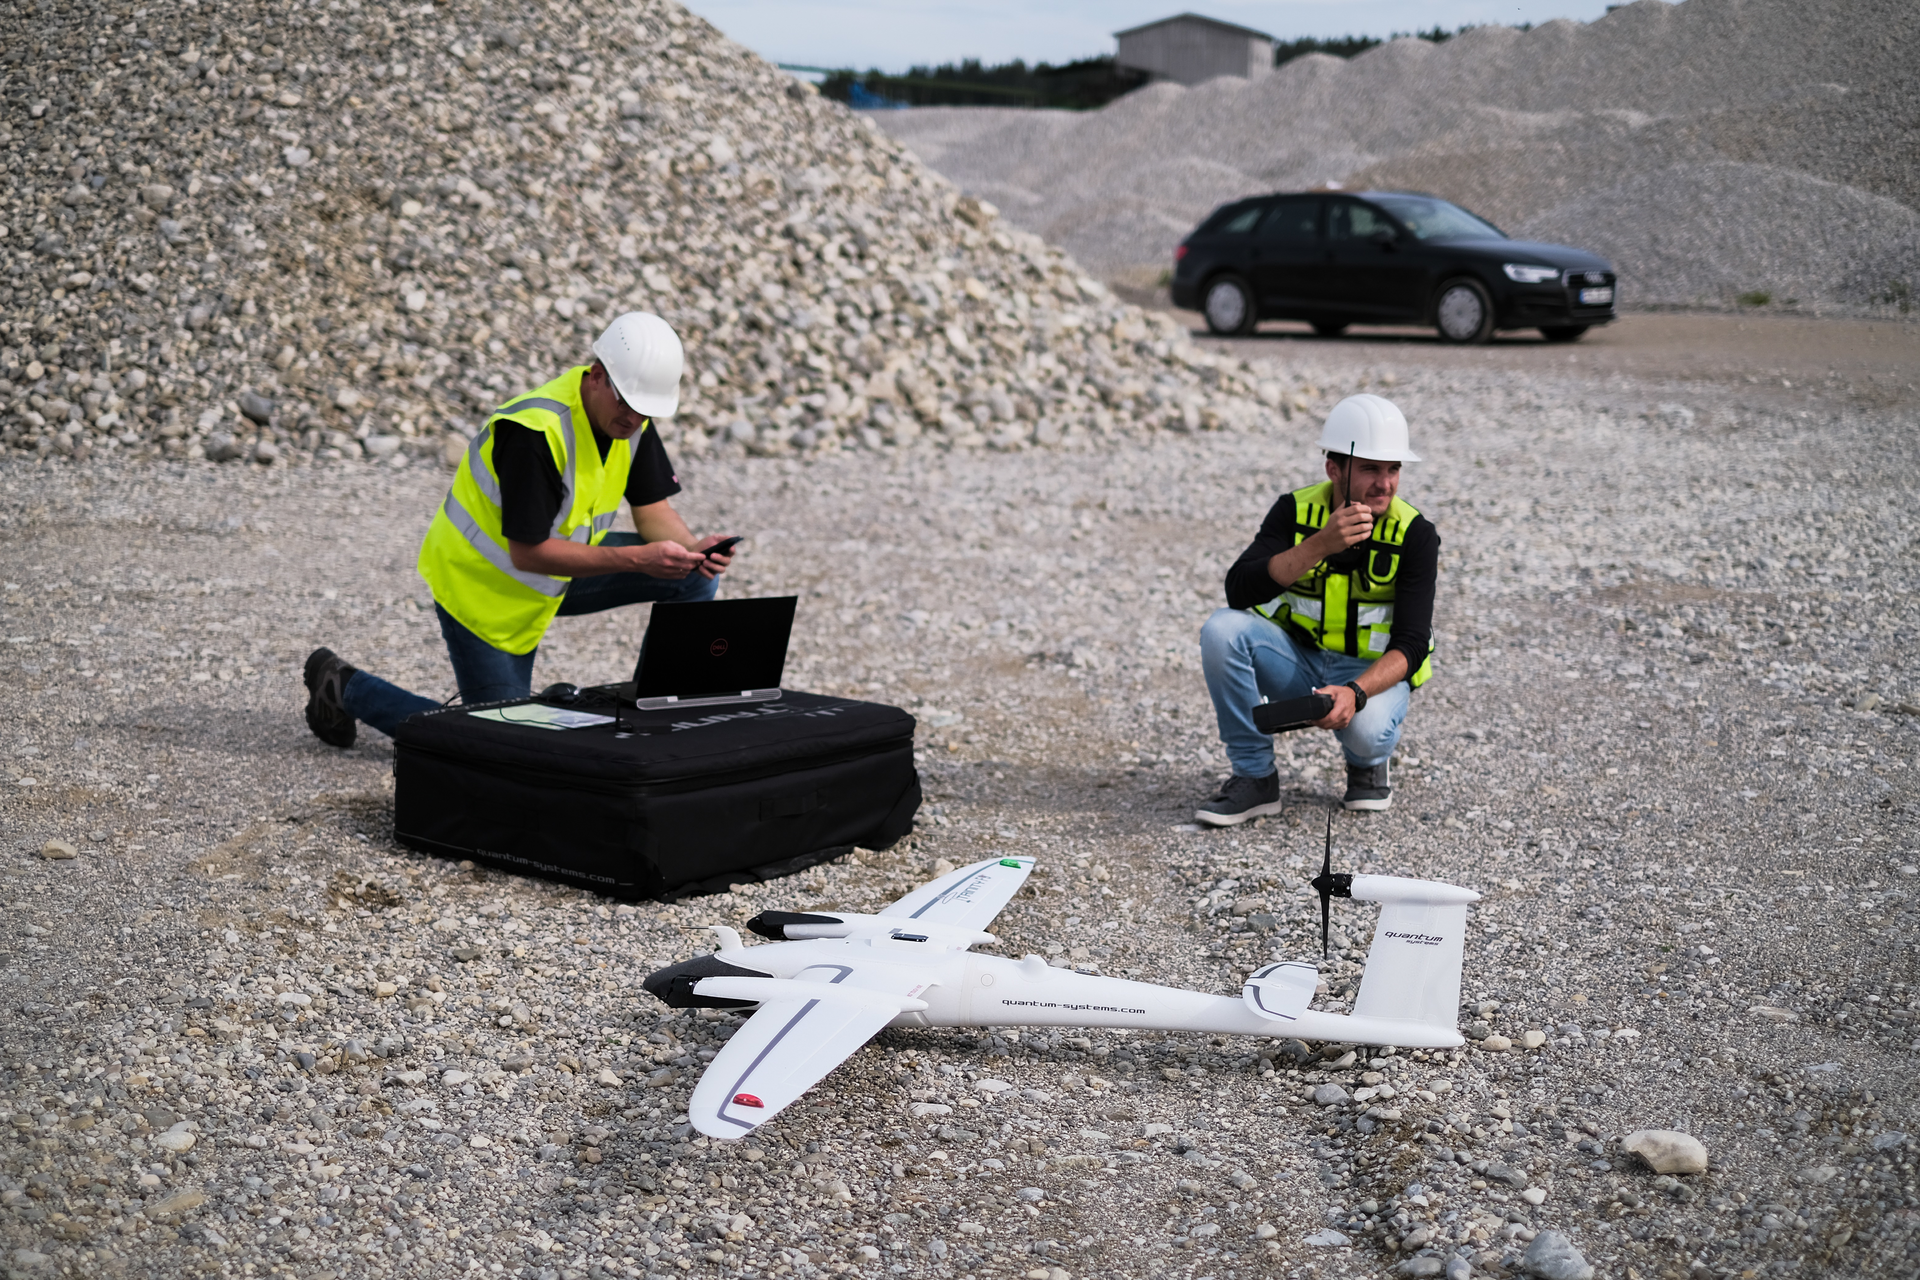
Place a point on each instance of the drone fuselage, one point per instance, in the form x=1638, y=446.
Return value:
x=962, y=989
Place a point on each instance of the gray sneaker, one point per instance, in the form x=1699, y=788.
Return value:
x=1368, y=788
x=1239, y=799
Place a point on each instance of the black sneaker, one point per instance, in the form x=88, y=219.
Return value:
x=1239, y=799
x=1368, y=788
x=326, y=678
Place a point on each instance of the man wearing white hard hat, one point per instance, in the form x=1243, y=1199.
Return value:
x=1335, y=596
x=526, y=532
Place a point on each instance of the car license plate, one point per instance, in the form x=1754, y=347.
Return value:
x=1602, y=297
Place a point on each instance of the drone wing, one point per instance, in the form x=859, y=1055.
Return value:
x=968, y=898
x=807, y=1026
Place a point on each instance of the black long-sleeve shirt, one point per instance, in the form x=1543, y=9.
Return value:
x=530, y=487
x=1248, y=583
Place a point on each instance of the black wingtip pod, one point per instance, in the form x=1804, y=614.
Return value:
x=773, y=924
x=673, y=985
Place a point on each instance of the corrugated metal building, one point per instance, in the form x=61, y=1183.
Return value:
x=1190, y=49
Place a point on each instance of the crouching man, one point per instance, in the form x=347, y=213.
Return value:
x=1334, y=596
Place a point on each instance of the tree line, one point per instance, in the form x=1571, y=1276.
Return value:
x=1083, y=85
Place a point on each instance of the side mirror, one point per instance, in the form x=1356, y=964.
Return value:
x=1384, y=237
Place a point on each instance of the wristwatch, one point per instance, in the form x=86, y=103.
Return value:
x=1359, y=697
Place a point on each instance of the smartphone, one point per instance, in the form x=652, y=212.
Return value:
x=724, y=546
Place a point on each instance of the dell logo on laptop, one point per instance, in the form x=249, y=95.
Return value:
x=718, y=648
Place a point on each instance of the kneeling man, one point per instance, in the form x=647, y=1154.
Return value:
x=526, y=531
x=1335, y=596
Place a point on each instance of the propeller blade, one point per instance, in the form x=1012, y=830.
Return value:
x=1326, y=856
x=1329, y=886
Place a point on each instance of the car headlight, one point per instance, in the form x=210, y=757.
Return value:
x=1523, y=273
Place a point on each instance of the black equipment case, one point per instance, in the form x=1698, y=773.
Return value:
x=660, y=803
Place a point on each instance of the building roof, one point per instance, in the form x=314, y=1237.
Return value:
x=1194, y=17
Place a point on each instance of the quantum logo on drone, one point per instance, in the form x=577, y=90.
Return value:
x=1418, y=939
x=1072, y=1008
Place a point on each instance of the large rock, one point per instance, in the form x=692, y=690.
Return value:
x=1667, y=1150
x=256, y=406
x=177, y=1140
x=224, y=448
x=1552, y=1256
x=1511, y=1177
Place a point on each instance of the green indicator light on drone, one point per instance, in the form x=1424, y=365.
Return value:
x=1010, y=862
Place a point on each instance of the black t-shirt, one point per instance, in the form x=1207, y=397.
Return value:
x=1249, y=584
x=530, y=481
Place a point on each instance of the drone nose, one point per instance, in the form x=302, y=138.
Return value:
x=673, y=986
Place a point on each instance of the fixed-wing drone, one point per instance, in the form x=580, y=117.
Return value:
x=830, y=981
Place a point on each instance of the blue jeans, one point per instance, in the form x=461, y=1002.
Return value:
x=486, y=674
x=1246, y=657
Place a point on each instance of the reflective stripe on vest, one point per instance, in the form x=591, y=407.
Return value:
x=1350, y=612
x=466, y=559
x=495, y=555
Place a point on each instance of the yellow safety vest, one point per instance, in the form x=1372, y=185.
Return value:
x=1350, y=613
x=465, y=559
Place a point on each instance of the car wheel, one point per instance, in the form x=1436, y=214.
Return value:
x=1463, y=312
x=1330, y=328
x=1228, y=306
x=1563, y=332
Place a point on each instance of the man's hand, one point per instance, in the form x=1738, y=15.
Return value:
x=664, y=560
x=1342, y=714
x=1350, y=524
x=713, y=566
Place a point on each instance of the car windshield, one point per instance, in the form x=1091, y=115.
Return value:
x=1431, y=219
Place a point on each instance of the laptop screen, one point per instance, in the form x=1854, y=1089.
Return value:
x=696, y=650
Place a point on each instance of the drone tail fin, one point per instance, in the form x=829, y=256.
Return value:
x=1413, y=967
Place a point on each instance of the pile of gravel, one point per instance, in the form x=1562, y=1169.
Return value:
x=245, y=230
x=1710, y=149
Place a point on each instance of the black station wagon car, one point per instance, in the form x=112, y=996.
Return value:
x=1336, y=258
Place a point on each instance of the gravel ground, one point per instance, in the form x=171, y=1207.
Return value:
x=1710, y=149
x=1672, y=740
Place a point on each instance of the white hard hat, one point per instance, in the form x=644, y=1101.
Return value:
x=643, y=358
x=1368, y=427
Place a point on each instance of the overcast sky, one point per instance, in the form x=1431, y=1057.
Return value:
x=896, y=34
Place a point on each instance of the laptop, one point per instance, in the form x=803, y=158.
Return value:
x=713, y=653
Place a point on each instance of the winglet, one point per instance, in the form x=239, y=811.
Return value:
x=729, y=939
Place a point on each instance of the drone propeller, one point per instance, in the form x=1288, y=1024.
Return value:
x=1330, y=886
